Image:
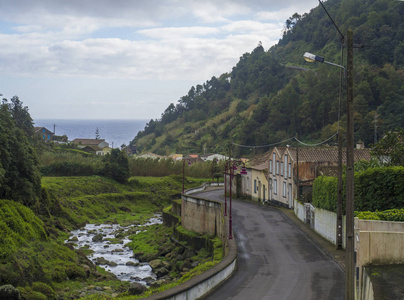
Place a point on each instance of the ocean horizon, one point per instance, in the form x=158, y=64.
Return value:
x=115, y=132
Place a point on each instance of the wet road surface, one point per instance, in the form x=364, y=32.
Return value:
x=276, y=260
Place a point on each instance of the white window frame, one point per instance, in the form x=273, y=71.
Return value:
x=281, y=168
x=284, y=190
x=275, y=187
x=286, y=165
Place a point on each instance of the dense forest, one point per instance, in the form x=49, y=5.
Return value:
x=271, y=96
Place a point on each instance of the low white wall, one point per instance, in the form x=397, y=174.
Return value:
x=300, y=211
x=325, y=224
x=206, y=286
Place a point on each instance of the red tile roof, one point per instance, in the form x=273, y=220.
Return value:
x=88, y=141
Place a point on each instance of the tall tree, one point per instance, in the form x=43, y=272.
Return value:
x=19, y=171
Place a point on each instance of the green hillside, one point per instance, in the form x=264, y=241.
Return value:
x=265, y=99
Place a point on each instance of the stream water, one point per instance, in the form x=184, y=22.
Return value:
x=114, y=257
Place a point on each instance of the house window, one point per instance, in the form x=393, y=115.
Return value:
x=48, y=136
x=290, y=170
x=43, y=137
x=43, y=130
x=255, y=186
x=270, y=166
x=281, y=168
x=284, y=190
x=277, y=167
x=275, y=187
x=286, y=165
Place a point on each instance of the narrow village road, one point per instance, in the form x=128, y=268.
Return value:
x=276, y=260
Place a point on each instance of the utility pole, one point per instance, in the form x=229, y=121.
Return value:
x=339, y=193
x=350, y=246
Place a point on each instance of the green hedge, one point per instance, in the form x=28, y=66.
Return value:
x=325, y=193
x=376, y=189
x=379, y=189
x=396, y=215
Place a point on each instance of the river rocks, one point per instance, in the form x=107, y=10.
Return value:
x=136, y=288
x=98, y=238
x=160, y=272
x=74, y=239
x=103, y=261
x=9, y=292
x=132, y=263
x=155, y=264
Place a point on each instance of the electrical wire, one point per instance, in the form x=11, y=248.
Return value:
x=289, y=139
x=317, y=144
x=264, y=146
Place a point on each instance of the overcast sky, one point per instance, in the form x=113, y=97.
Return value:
x=126, y=59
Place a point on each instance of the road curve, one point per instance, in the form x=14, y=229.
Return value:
x=276, y=260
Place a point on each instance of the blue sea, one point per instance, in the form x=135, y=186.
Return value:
x=115, y=132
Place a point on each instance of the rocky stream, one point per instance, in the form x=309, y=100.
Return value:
x=107, y=242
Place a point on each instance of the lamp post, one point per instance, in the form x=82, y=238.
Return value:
x=309, y=57
x=232, y=167
x=350, y=246
x=225, y=188
x=183, y=172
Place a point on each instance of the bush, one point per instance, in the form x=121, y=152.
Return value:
x=376, y=189
x=325, y=193
x=379, y=189
x=394, y=215
x=44, y=289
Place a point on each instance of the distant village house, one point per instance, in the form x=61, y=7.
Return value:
x=94, y=146
x=44, y=134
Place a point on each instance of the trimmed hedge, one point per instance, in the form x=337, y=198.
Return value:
x=376, y=189
x=379, y=189
x=325, y=193
x=396, y=215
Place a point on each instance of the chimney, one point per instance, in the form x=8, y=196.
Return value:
x=360, y=145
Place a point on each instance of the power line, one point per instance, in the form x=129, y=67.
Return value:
x=289, y=139
x=264, y=146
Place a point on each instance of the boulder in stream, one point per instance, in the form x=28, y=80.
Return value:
x=136, y=288
x=98, y=237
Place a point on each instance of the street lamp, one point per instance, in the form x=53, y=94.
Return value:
x=183, y=172
x=313, y=58
x=309, y=57
x=350, y=243
x=232, y=167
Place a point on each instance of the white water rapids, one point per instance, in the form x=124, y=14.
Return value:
x=121, y=260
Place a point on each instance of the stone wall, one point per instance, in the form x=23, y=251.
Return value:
x=202, y=216
x=204, y=212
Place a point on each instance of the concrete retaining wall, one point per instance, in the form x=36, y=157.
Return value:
x=202, y=216
x=374, y=225
x=380, y=247
x=204, y=211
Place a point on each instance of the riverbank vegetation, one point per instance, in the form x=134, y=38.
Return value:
x=33, y=255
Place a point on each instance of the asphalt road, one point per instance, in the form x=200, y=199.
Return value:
x=276, y=260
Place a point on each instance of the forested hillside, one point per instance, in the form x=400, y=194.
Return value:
x=265, y=99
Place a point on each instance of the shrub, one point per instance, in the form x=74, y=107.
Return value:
x=394, y=215
x=376, y=189
x=44, y=289
x=379, y=189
